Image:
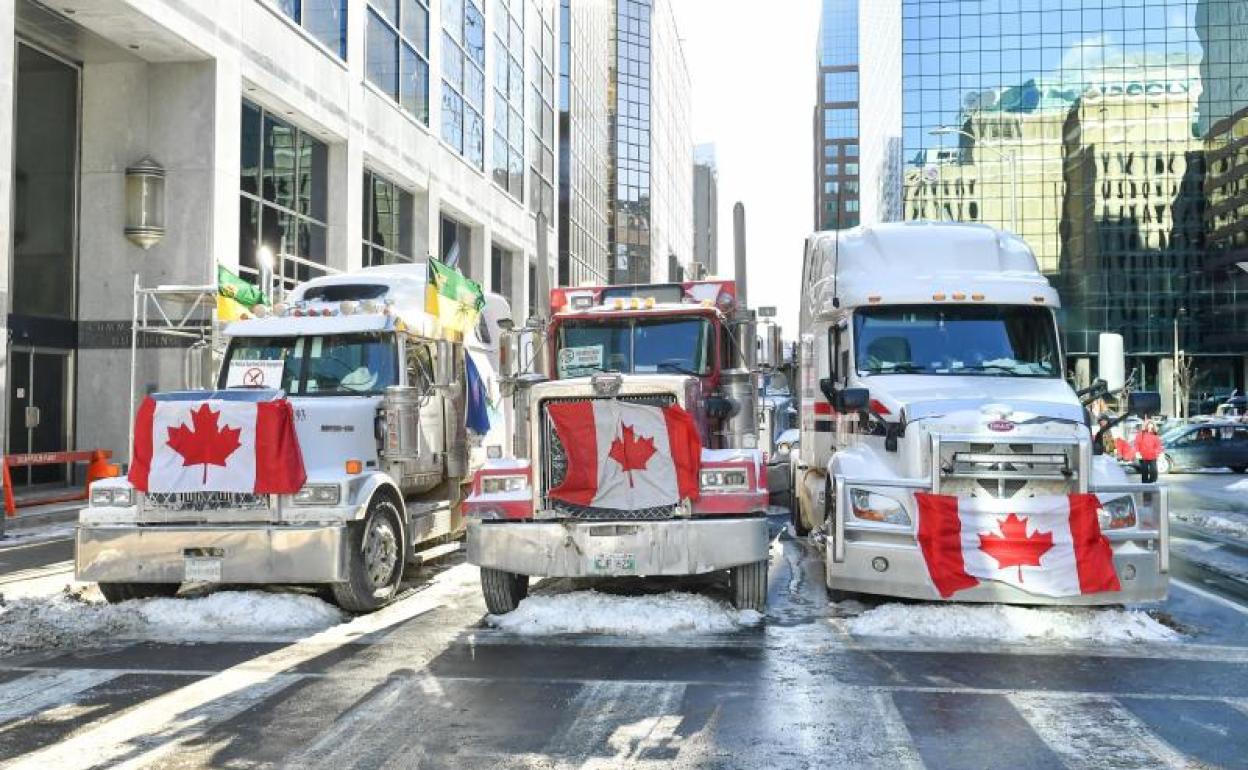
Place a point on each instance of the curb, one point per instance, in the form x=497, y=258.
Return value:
x=59, y=514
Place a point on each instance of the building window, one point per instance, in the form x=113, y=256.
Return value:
x=456, y=245
x=500, y=271
x=388, y=211
x=507, y=161
x=283, y=193
x=398, y=53
x=542, y=118
x=840, y=87
x=325, y=20
x=463, y=79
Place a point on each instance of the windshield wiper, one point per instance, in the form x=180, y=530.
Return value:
x=1007, y=368
x=901, y=368
x=675, y=367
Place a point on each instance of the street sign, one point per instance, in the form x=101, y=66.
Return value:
x=767, y=312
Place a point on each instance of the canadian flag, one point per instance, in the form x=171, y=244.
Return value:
x=1051, y=546
x=626, y=456
x=216, y=446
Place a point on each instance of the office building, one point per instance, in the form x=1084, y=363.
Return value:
x=705, y=210
x=1102, y=131
x=584, y=141
x=337, y=133
x=651, y=171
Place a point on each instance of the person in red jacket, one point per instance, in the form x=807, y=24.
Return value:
x=1148, y=448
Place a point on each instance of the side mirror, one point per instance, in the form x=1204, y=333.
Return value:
x=1143, y=403
x=444, y=366
x=845, y=400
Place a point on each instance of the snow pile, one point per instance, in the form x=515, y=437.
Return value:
x=1001, y=623
x=1215, y=523
x=1238, y=486
x=70, y=619
x=237, y=610
x=591, y=612
x=34, y=535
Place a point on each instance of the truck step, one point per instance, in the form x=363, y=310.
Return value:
x=436, y=552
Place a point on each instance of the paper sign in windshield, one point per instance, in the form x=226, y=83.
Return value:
x=254, y=374
x=580, y=362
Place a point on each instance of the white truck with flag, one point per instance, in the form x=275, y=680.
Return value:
x=943, y=454
x=336, y=441
x=636, y=445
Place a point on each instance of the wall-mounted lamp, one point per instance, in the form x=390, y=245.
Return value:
x=145, y=203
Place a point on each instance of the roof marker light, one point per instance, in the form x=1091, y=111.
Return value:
x=649, y=302
x=619, y=303
x=938, y=296
x=348, y=307
x=977, y=297
x=1038, y=299
x=874, y=299
x=959, y=295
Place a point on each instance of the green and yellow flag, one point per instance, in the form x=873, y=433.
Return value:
x=453, y=299
x=235, y=296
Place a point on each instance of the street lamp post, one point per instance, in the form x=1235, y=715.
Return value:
x=1011, y=156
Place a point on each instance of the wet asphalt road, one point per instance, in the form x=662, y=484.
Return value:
x=425, y=683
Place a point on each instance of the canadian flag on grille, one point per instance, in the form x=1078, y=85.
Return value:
x=626, y=456
x=216, y=446
x=1050, y=545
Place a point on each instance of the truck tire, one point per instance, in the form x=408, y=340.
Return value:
x=503, y=591
x=375, y=560
x=121, y=592
x=749, y=586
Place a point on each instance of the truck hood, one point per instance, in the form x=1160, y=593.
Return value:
x=334, y=429
x=1018, y=399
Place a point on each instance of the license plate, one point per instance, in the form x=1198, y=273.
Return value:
x=614, y=563
x=202, y=570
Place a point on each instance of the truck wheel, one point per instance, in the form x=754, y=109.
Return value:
x=503, y=590
x=121, y=592
x=375, y=560
x=749, y=586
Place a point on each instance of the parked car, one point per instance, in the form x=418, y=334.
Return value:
x=1205, y=445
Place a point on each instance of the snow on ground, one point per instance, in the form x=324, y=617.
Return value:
x=32, y=535
x=591, y=612
x=1001, y=623
x=75, y=619
x=1212, y=522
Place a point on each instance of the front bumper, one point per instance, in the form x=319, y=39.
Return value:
x=907, y=577
x=589, y=549
x=247, y=553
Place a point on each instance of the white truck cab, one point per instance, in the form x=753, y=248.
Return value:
x=378, y=395
x=931, y=361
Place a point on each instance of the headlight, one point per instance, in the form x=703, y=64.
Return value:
x=121, y=497
x=494, y=484
x=1118, y=513
x=318, y=494
x=872, y=506
x=725, y=481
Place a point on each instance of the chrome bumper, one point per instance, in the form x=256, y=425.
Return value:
x=907, y=577
x=248, y=554
x=588, y=549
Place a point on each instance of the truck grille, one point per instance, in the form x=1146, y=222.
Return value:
x=204, y=501
x=1008, y=469
x=555, y=469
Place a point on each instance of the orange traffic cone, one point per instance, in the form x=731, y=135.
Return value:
x=101, y=468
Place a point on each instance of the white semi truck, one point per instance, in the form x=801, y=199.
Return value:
x=377, y=391
x=932, y=364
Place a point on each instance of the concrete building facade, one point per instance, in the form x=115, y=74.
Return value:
x=705, y=210
x=651, y=172
x=341, y=133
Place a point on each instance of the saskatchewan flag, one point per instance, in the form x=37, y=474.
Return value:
x=453, y=299
x=235, y=296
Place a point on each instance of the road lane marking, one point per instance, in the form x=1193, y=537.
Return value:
x=45, y=689
x=624, y=719
x=1241, y=609
x=1093, y=733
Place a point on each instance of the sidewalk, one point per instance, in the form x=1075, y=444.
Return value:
x=34, y=516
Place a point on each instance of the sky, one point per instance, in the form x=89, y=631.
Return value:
x=753, y=80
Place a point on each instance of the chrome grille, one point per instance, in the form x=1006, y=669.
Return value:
x=555, y=467
x=1008, y=469
x=204, y=501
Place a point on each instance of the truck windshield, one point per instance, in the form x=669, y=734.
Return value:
x=994, y=341
x=324, y=365
x=634, y=345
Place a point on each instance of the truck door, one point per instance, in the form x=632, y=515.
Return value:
x=432, y=411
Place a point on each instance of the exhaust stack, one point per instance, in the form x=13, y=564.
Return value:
x=738, y=251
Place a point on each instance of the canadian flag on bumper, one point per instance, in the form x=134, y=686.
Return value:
x=1051, y=546
x=626, y=456
x=216, y=446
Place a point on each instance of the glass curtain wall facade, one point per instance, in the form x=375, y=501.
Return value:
x=508, y=155
x=397, y=43
x=1088, y=127
x=325, y=20
x=837, y=194
x=651, y=213
x=583, y=142
x=542, y=111
x=463, y=79
x=388, y=212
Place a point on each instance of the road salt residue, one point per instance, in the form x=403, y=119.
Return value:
x=72, y=620
x=591, y=612
x=1212, y=522
x=994, y=622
